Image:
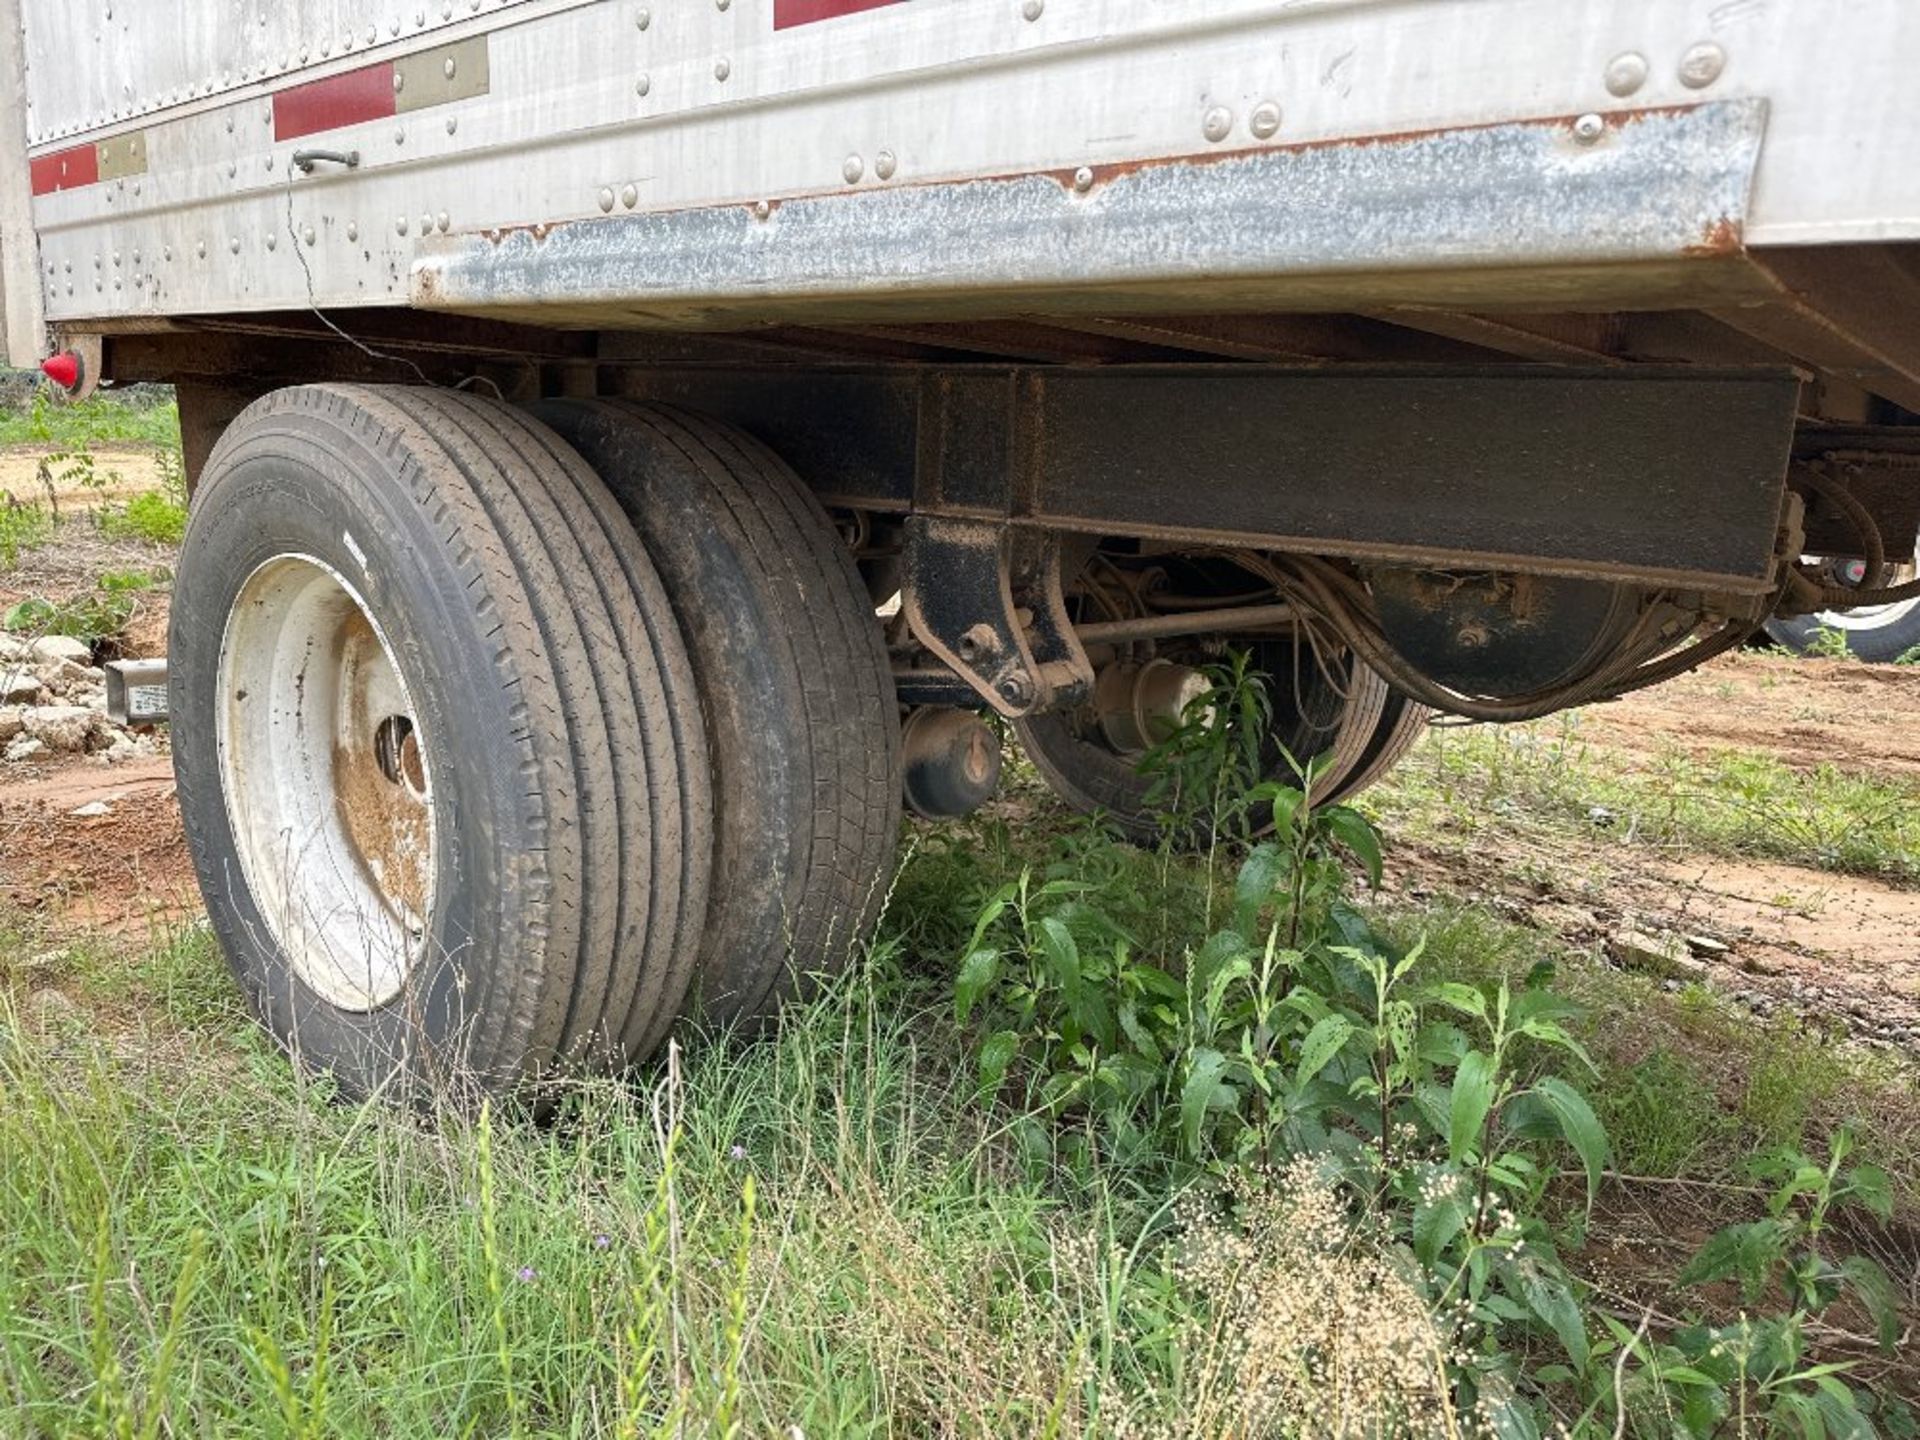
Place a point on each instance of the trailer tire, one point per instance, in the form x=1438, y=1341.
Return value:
x=439, y=752
x=1365, y=732
x=795, y=685
x=1877, y=634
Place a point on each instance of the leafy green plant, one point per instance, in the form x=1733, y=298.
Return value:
x=158, y=515
x=1203, y=776
x=1445, y=1123
x=23, y=526
x=1293, y=1030
x=88, y=616
x=1754, y=1375
x=1829, y=642
x=152, y=515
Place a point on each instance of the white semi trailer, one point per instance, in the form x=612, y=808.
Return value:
x=567, y=385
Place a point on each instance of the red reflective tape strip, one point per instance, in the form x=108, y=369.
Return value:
x=65, y=169
x=787, y=13
x=348, y=99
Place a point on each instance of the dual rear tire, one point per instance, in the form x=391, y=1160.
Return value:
x=495, y=759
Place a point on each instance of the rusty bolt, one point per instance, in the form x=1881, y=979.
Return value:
x=1588, y=129
x=1015, y=689
x=978, y=641
x=1083, y=179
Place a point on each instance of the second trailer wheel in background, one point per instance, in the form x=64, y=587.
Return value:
x=795, y=685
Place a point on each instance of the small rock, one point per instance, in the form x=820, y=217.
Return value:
x=65, y=728
x=12, y=647
x=50, y=1007
x=45, y=962
x=19, y=687
x=1660, y=954
x=91, y=809
x=11, y=724
x=1566, y=919
x=1601, y=817
x=60, y=676
x=1706, y=945
x=62, y=647
x=25, y=747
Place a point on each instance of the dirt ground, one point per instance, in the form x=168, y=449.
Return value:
x=1776, y=936
x=121, y=871
x=37, y=472
x=1864, y=718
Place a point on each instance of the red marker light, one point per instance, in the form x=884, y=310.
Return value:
x=63, y=369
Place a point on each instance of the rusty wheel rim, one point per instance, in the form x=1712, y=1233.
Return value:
x=327, y=785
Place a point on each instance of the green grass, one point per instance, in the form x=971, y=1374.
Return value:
x=315, y=1269
x=1690, y=1084
x=145, y=417
x=821, y=1232
x=23, y=526
x=1473, y=779
x=157, y=516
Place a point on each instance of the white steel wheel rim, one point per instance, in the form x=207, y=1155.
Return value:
x=1876, y=617
x=324, y=771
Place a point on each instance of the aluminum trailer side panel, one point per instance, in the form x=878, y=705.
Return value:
x=165, y=141
x=20, y=288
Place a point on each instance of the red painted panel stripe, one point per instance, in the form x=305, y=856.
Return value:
x=65, y=169
x=787, y=13
x=328, y=104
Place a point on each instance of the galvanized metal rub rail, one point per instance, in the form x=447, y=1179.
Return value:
x=1619, y=207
